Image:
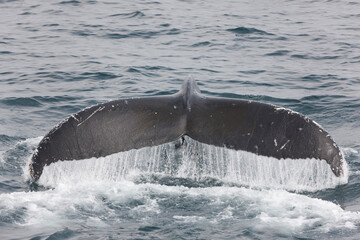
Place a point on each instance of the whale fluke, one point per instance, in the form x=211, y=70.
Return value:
x=134, y=123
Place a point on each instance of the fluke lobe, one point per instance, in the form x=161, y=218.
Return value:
x=134, y=123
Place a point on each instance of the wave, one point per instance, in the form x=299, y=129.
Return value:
x=14, y=158
x=6, y=52
x=245, y=30
x=141, y=34
x=307, y=56
x=71, y=2
x=138, y=14
x=201, y=44
x=278, y=53
x=103, y=204
x=36, y=101
x=22, y=101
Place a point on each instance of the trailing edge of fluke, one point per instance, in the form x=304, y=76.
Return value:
x=133, y=123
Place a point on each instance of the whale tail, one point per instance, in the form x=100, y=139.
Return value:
x=133, y=123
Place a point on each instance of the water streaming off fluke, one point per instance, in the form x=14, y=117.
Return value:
x=189, y=159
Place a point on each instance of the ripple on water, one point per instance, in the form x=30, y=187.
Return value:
x=278, y=53
x=141, y=34
x=253, y=71
x=71, y=2
x=100, y=75
x=6, y=52
x=319, y=78
x=6, y=140
x=135, y=14
x=304, y=57
x=83, y=33
x=21, y=102
x=149, y=71
x=201, y=44
x=307, y=56
x=245, y=30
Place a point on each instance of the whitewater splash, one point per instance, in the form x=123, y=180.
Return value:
x=101, y=194
x=105, y=204
x=187, y=158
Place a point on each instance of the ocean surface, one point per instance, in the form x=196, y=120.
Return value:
x=58, y=57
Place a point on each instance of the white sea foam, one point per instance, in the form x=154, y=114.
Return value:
x=349, y=152
x=21, y=150
x=2, y=156
x=30, y=141
x=196, y=161
x=100, y=204
x=98, y=193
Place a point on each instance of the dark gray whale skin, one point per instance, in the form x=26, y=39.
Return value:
x=133, y=123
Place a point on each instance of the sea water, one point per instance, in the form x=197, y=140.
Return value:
x=58, y=57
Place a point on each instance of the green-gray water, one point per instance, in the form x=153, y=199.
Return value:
x=58, y=57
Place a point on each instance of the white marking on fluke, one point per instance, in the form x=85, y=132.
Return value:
x=97, y=110
x=284, y=144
